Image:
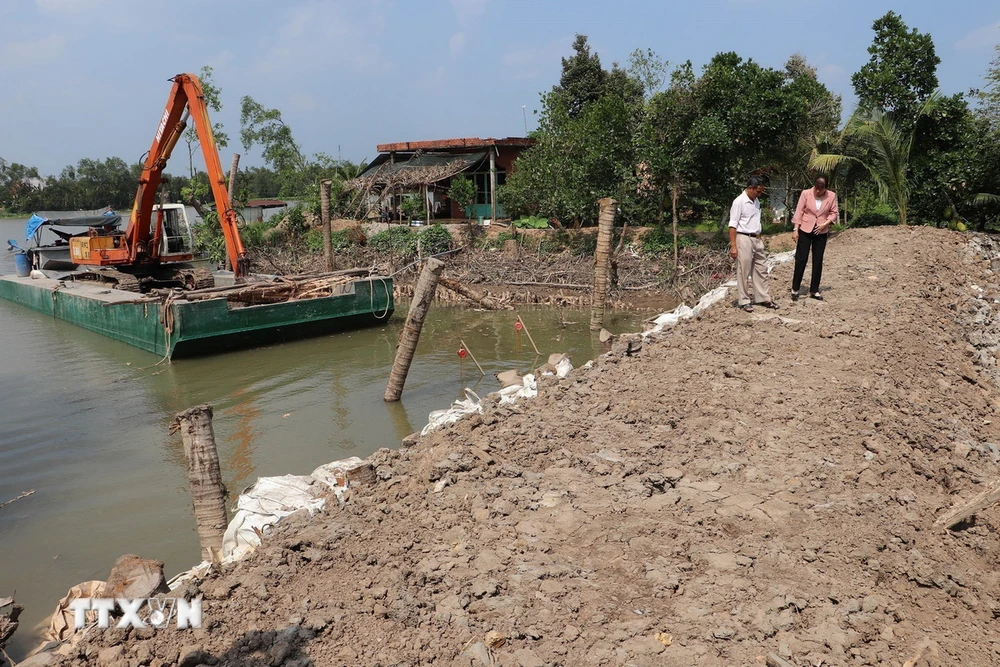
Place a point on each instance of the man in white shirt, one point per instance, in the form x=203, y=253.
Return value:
x=747, y=249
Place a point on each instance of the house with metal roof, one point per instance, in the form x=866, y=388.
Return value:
x=427, y=167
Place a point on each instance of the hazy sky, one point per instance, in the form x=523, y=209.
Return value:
x=88, y=78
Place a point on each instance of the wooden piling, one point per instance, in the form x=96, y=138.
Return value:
x=233, y=168
x=232, y=177
x=423, y=294
x=208, y=493
x=324, y=211
x=605, y=233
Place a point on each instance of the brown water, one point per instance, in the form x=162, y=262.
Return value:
x=84, y=422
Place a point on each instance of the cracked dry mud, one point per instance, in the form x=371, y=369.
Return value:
x=744, y=485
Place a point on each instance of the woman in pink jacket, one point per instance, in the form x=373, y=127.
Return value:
x=817, y=210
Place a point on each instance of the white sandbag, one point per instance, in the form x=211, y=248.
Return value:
x=529, y=389
x=336, y=473
x=709, y=299
x=558, y=365
x=459, y=409
x=264, y=504
x=779, y=258
x=681, y=312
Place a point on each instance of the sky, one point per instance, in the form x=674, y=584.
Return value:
x=89, y=78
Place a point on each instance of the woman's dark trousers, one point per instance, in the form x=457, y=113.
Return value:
x=809, y=242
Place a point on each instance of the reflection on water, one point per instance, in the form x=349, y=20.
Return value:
x=242, y=438
x=84, y=421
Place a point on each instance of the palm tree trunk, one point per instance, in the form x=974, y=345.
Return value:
x=208, y=493
x=423, y=294
x=602, y=256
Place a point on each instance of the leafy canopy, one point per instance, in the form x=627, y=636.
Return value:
x=902, y=71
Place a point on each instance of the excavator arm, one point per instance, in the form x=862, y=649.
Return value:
x=142, y=242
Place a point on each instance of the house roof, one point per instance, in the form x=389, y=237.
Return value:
x=417, y=169
x=266, y=203
x=443, y=144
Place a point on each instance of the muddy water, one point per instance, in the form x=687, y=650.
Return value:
x=84, y=422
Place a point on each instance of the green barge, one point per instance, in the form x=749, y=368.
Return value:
x=182, y=328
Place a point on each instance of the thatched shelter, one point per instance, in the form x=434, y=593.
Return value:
x=427, y=167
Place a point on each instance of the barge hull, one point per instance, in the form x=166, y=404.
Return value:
x=191, y=328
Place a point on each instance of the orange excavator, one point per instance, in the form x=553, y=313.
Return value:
x=141, y=257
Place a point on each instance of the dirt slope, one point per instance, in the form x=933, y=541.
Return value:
x=743, y=485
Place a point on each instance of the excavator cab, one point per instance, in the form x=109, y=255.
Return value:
x=177, y=238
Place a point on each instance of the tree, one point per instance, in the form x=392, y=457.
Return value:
x=985, y=153
x=19, y=186
x=582, y=79
x=649, y=70
x=264, y=127
x=672, y=144
x=412, y=206
x=989, y=95
x=463, y=192
x=213, y=100
x=822, y=116
x=585, y=143
x=901, y=73
x=883, y=147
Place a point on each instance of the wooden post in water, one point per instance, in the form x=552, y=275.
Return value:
x=208, y=493
x=423, y=294
x=605, y=233
x=324, y=211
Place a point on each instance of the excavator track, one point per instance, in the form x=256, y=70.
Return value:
x=111, y=277
x=184, y=276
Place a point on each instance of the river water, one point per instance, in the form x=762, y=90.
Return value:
x=84, y=422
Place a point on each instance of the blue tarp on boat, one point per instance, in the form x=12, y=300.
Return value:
x=36, y=221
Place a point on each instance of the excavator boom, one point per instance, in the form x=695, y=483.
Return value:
x=139, y=245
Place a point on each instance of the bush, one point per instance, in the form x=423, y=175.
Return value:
x=296, y=221
x=394, y=239
x=661, y=239
x=583, y=245
x=434, y=239
x=872, y=219
x=258, y=234
x=340, y=240
x=532, y=222
x=208, y=238
x=774, y=228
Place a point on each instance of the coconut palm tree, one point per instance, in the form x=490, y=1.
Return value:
x=877, y=142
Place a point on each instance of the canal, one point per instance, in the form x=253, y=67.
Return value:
x=84, y=423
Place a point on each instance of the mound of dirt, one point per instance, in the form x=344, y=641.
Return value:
x=743, y=489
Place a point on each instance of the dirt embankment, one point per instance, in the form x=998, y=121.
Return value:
x=744, y=485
